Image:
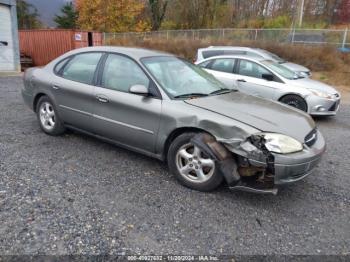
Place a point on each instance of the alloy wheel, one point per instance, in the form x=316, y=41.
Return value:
x=47, y=116
x=193, y=164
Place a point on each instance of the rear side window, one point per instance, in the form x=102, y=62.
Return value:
x=234, y=52
x=253, y=54
x=205, y=64
x=211, y=53
x=223, y=65
x=60, y=65
x=81, y=68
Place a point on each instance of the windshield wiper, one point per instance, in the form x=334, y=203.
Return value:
x=190, y=95
x=223, y=91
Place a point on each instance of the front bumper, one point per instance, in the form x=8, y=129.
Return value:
x=296, y=166
x=322, y=106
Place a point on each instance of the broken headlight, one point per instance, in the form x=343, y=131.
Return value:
x=282, y=144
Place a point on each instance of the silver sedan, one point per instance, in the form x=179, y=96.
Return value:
x=204, y=53
x=162, y=106
x=271, y=80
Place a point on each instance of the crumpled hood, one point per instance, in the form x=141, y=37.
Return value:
x=313, y=84
x=296, y=67
x=262, y=114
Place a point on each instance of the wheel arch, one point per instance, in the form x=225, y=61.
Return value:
x=290, y=94
x=36, y=100
x=177, y=132
x=294, y=94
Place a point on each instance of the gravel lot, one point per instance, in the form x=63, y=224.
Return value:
x=77, y=195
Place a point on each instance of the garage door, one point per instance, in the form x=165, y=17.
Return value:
x=6, y=41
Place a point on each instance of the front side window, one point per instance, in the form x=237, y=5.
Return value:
x=179, y=77
x=225, y=65
x=248, y=68
x=81, y=68
x=121, y=73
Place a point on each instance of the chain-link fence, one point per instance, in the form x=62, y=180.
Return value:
x=339, y=38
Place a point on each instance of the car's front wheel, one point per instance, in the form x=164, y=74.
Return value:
x=294, y=101
x=49, y=121
x=191, y=166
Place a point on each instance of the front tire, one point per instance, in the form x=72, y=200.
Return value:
x=191, y=167
x=48, y=118
x=294, y=101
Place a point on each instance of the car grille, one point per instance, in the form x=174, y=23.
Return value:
x=334, y=107
x=311, y=138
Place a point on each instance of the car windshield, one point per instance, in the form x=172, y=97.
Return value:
x=181, y=79
x=280, y=69
x=274, y=56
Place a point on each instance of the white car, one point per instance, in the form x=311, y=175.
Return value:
x=271, y=80
x=211, y=51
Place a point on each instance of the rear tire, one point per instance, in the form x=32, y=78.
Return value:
x=294, y=101
x=191, y=167
x=48, y=118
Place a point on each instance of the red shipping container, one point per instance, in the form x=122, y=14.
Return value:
x=44, y=45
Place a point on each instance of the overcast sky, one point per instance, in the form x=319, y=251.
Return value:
x=48, y=9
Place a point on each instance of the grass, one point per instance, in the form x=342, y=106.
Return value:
x=328, y=65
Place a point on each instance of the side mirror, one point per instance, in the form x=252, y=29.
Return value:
x=139, y=90
x=267, y=77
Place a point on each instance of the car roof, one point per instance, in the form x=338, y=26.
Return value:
x=231, y=47
x=249, y=57
x=136, y=53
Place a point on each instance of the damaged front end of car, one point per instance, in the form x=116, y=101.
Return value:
x=245, y=164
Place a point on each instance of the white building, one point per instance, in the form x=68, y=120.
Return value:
x=9, y=47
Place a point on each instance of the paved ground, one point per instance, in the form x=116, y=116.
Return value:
x=74, y=194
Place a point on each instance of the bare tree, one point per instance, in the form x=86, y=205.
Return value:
x=158, y=9
x=231, y=13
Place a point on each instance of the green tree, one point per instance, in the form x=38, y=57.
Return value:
x=27, y=15
x=68, y=19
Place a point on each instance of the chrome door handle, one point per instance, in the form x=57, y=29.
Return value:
x=102, y=99
x=56, y=87
x=241, y=80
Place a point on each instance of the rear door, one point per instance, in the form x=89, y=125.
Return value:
x=129, y=119
x=222, y=69
x=250, y=79
x=73, y=88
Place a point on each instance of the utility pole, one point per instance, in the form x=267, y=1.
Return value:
x=301, y=12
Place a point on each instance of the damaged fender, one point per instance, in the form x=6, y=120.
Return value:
x=237, y=160
x=224, y=159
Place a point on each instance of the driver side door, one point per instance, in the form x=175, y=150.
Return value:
x=222, y=69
